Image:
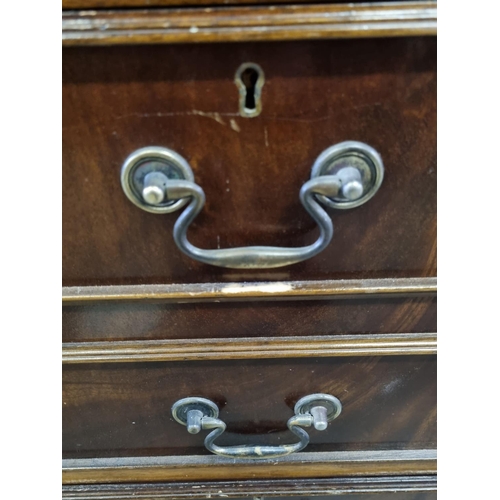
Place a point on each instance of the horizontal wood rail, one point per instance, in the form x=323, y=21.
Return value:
x=281, y=290
x=215, y=468
x=250, y=348
x=251, y=489
x=258, y=23
x=120, y=4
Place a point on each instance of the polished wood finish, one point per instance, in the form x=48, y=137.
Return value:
x=237, y=24
x=117, y=99
x=400, y=488
x=213, y=468
x=123, y=409
x=97, y=4
x=139, y=320
x=217, y=292
x=119, y=493
x=143, y=325
x=245, y=348
x=371, y=496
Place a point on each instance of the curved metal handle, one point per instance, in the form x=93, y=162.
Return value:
x=201, y=414
x=253, y=257
x=344, y=176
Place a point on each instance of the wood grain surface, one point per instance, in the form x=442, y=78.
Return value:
x=428, y=495
x=399, y=487
x=255, y=23
x=111, y=321
x=213, y=468
x=253, y=291
x=123, y=409
x=250, y=348
x=98, y=4
x=118, y=99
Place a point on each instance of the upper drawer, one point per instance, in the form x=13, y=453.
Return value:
x=234, y=22
x=318, y=93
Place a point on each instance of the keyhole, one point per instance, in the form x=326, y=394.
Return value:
x=249, y=80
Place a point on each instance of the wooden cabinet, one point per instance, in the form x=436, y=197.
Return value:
x=145, y=325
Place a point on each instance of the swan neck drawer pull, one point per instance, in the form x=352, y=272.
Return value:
x=344, y=176
x=199, y=414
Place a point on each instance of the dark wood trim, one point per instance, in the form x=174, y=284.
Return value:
x=247, y=489
x=214, y=468
x=234, y=24
x=250, y=348
x=286, y=290
x=120, y=4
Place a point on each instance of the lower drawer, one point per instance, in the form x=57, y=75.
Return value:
x=428, y=495
x=415, y=487
x=82, y=494
x=124, y=409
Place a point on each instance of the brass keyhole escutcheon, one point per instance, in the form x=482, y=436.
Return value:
x=249, y=79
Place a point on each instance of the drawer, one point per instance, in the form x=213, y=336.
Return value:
x=363, y=496
x=183, y=97
x=417, y=489
x=124, y=409
x=139, y=320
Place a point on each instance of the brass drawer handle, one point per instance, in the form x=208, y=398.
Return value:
x=200, y=414
x=344, y=176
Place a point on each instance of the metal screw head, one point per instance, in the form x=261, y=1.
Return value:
x=153, y=195
x=351, y=180
x=320, y=417
x=155, y=184
x=193, y=423
x=352, y=190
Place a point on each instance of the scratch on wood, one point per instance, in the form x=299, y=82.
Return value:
x=234, y=125
x=266, y=138
x=214, y=115
x=264, y=288
x=218, y=118
x=208, y=114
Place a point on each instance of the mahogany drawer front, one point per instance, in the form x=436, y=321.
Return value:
x=123, y=409
x=137, y=320
x=316, y=94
